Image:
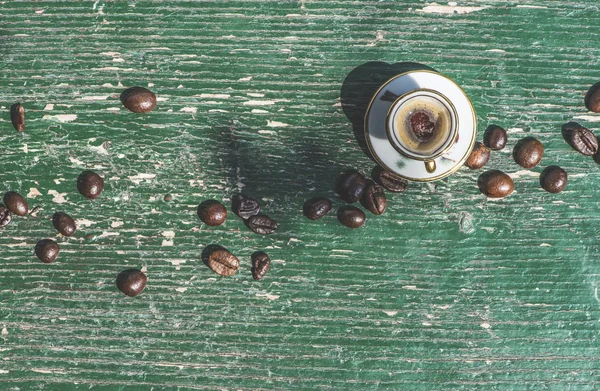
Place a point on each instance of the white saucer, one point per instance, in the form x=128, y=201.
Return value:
x=387, y=156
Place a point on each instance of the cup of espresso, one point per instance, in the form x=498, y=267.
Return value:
x=422, y=124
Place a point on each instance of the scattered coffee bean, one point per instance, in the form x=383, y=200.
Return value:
x=64, y=223
x=374, y=199
x=389, y=180
x=131, y=282
x=262, y=224
x=46, y=250
x=223, y=262
x=351, y=216
x=17, y=116
x=90, y=184
x=16, y=203
x=212, y=213
x=260, y=265
x=553, y=179
x=580, y=139
x=315, y=208
x=495, y=184
x=245, y=206
x=528, y=152
x=138, y=99
x=168, y=197
x=592, y=98
x=5, y=216
x=478, y=157
x=495, y=137
x=351, y=186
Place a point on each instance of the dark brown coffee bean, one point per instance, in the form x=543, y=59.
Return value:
x=495, y=137
x=138, y=99
x=261, y=224
x=592, y=98
x=90, y=184
x=260, y=264
x=389, y=180
x=351, y=216
x=553, y=179
x=478, y=157
x=46, y=250
x=212, y=213
x=16, y=203
x=245, y=206
x=374, y=199
x=64, y=223
x=17, y=116
x=528, y=152
x=495, y=184
x=5, y=216
x=351, y=186
x=223, y=262
x=580, y=139
x=315, y=208
x=131, y=282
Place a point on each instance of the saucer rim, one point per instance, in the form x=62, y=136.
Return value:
x=431, y=179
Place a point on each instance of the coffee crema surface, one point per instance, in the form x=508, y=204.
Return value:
x=422, y=125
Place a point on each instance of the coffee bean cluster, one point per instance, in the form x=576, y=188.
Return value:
x=527, y=153
x=353, y=187
x=224, y=263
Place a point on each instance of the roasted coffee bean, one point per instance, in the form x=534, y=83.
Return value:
x=212, y=213
x=495, y=137
x=46, y=250
x=5, y=216
x=17, y=116
x=553, y=179
x=223, y=262
x=131, y=282
x=315, y=208
x=389, y=180
x=592, y=98
x=528, y=152
x=351, y=186
x=64, y=223
x=580, y=139
x=90, y=184
x=478, y=157
x=138, y=99
x=351, y=216
x=374, y=199
x=245, y=206
x=260, y=265
x=16, y=203
x=495, y=184
x=262, y=224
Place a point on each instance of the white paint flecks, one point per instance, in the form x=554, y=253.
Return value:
x=49, y=106
x=276, y=124
x=496, y=50
x=248, y=78
x=267, y=296
x=521, y=173
x=259, y=111
x=84, y=222
x=94, y=97
x=108, y=85
x=272, y=132
x=106, y=234
x=137, y=179
x=411, y=288
x=116, y=224
x=21, y=244
x=168, y=234
x=162, y=99
x=181, y=289
x=485, y=325
x=33, y=192
x=259, y=103
x=167, y=243
x=589, y=118
x=215, y=96
x=256, y=95
x=76, y=161
x=59, y=198
x=531, y=6
x=110, y=54
x=450, y=9
x=4, y=331
x=545, y=245
x=217, y=111
x=514, y=130
x=25, y=148
x=390, y=313
x=62, y=118
x=192, y=110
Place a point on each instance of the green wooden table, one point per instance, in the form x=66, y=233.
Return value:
x=448, y=290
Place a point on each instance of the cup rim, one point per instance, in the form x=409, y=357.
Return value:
x=453, y=119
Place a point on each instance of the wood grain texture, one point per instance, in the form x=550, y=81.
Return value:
x=446, y=291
